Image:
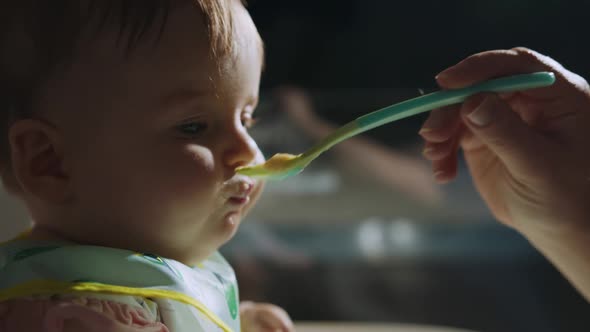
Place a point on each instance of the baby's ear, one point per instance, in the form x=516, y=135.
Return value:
x=38, y=160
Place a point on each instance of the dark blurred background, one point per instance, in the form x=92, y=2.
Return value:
x=373, y=238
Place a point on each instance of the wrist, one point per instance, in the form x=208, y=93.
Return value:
x=569, y=251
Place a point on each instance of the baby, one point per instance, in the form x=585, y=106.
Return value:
x=122, y=123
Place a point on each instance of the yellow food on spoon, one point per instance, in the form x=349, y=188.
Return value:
x=279, y=161
x=274, y=167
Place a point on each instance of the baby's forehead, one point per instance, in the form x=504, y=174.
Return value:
x=141, y=48
x=140, y=32
x=183, y=34
x=179, y=56
x=49, y=32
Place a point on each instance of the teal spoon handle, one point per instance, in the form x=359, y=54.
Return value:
x=429, y=102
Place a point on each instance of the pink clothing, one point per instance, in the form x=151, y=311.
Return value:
x=76, y=314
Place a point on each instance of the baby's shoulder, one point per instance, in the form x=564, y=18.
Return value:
x=80, y=312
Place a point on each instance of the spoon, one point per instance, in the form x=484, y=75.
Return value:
x=283, y=165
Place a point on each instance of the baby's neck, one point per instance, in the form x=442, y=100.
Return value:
x=38, y=232
x=43, y=233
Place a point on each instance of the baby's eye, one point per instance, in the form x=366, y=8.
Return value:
x=192, y=128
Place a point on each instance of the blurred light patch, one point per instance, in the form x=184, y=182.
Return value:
x=379, y=239
x=404, y=235
x=371, y=239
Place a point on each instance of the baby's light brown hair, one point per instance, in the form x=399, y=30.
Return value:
x=38, y=38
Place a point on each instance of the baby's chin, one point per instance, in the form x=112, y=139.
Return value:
x=232, y=220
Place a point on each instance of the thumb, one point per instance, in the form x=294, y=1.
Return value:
x=520, y=148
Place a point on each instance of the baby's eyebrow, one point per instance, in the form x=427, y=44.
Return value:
x=182, y=97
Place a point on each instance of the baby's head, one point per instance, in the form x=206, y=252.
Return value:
x=122, y=121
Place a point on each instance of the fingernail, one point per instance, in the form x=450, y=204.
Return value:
x=427, y=151
x=424, y=130
x=442, y=75
x=481, y=116
x=441, y=177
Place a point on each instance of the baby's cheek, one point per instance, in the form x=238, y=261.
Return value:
x=169, y=177
x=199, y=156
x=192, y=173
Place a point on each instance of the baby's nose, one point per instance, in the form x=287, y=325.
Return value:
x=242, y=150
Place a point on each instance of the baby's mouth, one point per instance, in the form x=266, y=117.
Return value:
x=238, y=192
x=240, y=200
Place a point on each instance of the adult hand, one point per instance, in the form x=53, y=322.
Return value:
x=527, y=151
